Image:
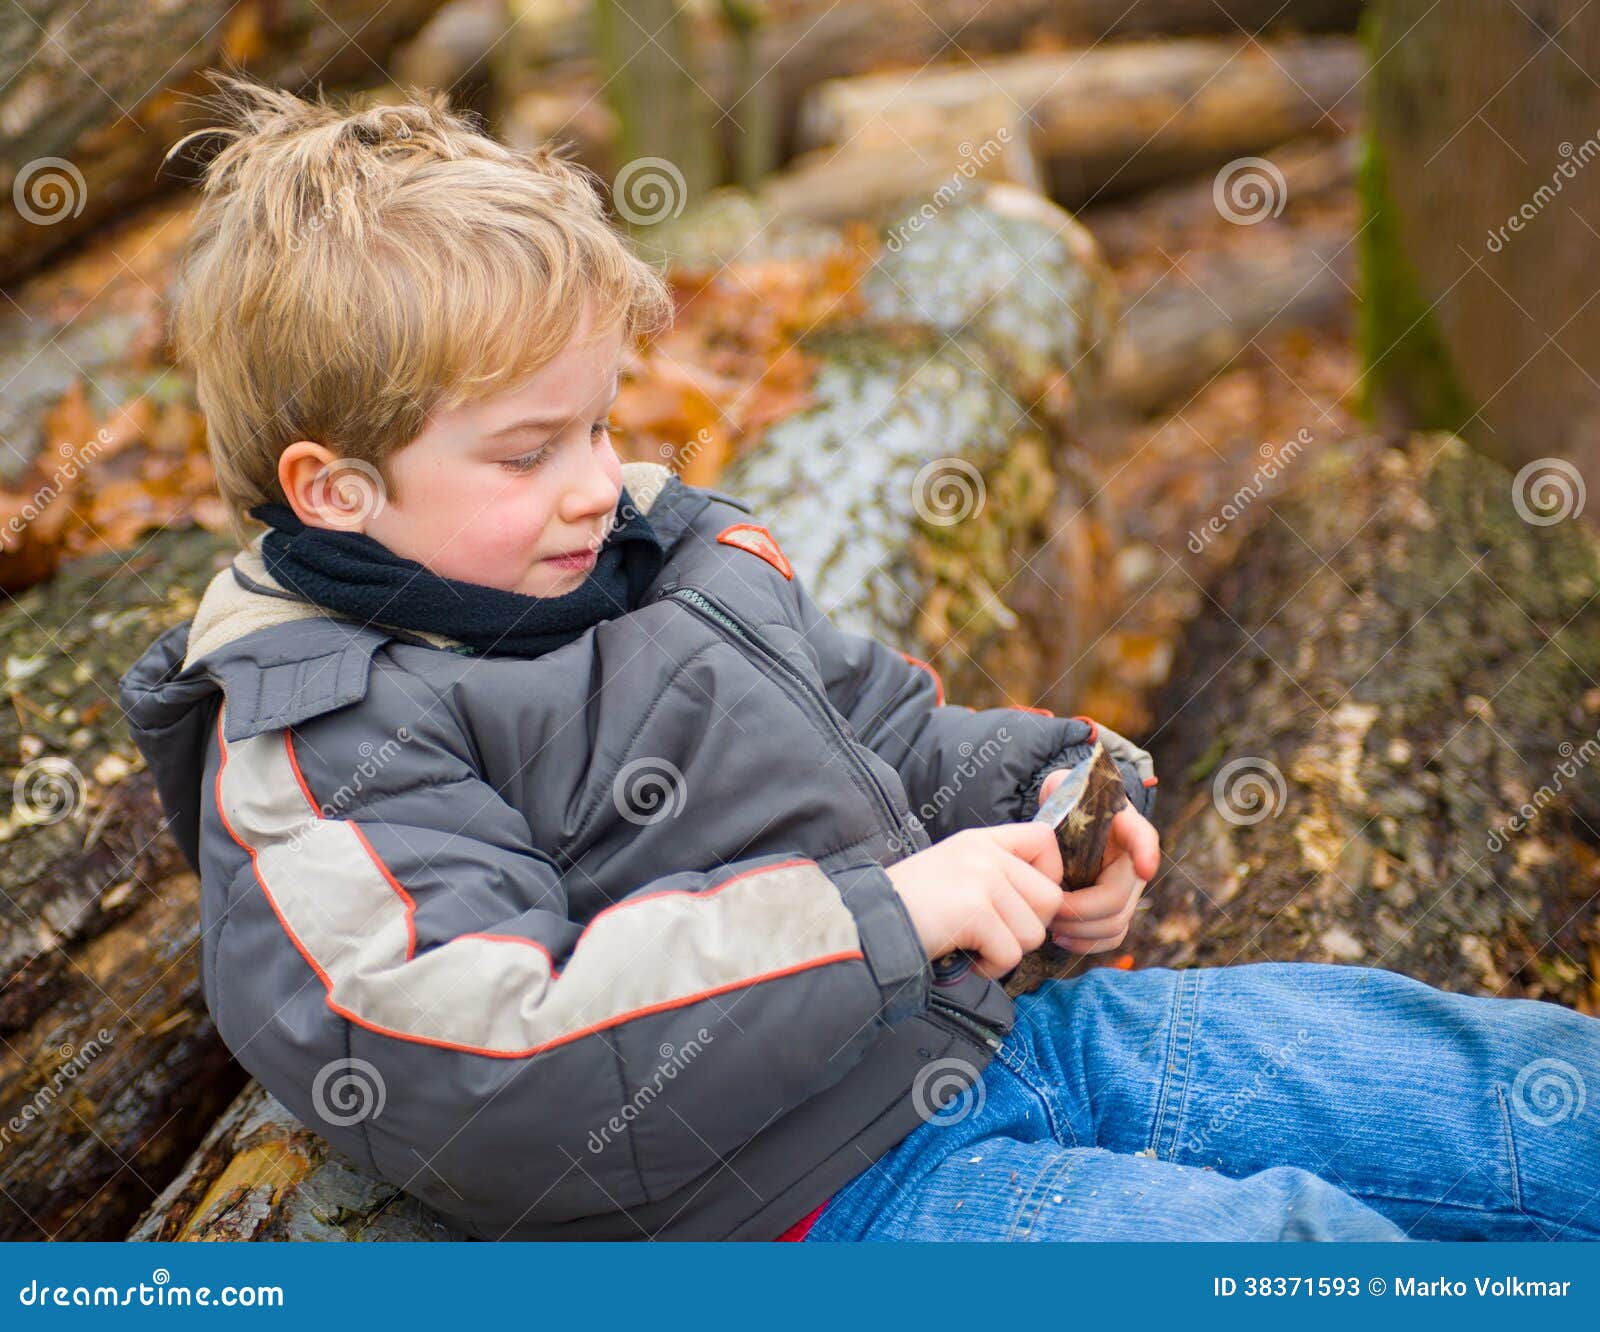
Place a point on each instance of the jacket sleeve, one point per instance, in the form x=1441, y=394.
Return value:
x=962, y=768
x=436, y=934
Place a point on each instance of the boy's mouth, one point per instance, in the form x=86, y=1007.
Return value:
x=574, y=559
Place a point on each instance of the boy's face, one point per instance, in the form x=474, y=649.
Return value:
x=515, y=491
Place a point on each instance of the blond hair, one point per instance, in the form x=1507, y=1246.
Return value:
x=353, y=271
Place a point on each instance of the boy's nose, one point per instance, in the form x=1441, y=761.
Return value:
x=595, y=491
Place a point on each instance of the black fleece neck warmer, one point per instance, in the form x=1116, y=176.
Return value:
x=353, y=575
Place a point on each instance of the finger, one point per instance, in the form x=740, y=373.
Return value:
x=1041, y=895
x=1135, y=835
x=1048, y=786
x=1087, y=946
x=1032, y=842
x=1113, y=927
x=1026, y=925
x=997, y=947
x=1105, y=898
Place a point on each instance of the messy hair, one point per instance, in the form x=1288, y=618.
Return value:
x=353, y=271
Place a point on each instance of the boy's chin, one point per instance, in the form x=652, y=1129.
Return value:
x=549, y=580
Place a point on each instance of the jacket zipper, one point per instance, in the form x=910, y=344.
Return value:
x=719, y=614
x=969, y=1025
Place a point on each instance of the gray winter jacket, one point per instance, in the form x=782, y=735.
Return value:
x=597, y=944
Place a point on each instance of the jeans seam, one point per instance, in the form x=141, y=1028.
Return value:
x=1511, y=1146
x=1175, y=1070
x=1017, y=1070
x=1037, y=1190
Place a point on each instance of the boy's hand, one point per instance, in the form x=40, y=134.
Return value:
x=993, y=891
x=1096, y=919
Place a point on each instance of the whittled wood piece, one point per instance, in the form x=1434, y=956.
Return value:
x=1080, y=810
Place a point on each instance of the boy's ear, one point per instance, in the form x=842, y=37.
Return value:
x=325, y=490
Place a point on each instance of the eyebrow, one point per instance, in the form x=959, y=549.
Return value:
x=547, y=421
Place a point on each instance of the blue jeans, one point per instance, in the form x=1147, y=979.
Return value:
x=1270, y=1102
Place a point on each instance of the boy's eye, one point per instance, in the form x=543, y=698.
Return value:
x=527, y=462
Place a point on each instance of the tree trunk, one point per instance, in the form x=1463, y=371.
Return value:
x=1479, y=253
x=1380, y=734
x=92, y=96
x=1115, y=117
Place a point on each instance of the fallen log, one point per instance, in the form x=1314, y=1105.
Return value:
x=944, y=381
x=1117, y=116
x=91, y=96
x=1191, y=324
x=1376, y=747
x=107, y=1092
x=797, y=45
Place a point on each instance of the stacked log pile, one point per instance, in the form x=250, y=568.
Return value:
x=995, y=445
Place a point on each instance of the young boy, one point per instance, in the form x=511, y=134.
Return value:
x=556, y=850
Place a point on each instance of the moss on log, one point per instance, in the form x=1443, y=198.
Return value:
x=1381, y=735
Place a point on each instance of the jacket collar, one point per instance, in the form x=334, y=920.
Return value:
x=282, y=660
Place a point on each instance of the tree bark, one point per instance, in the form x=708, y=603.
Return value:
x=105, y=1095
x=1380, y=735
x=94, y=95
x=1115, y=117
x=1479, y=252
